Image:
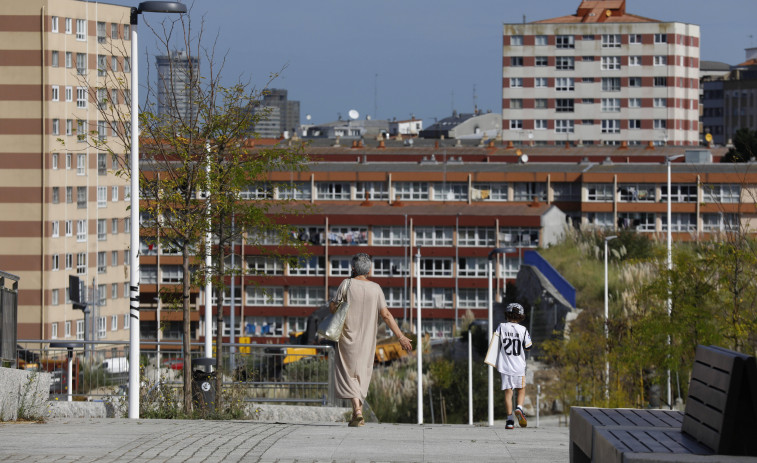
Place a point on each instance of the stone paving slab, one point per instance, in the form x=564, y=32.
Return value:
x=123, y=440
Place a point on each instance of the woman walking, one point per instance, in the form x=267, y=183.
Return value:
x=357, y=346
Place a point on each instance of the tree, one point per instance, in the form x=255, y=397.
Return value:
x=195, y=164
x=744, y=146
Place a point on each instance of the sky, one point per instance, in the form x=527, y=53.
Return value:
x=401, y=58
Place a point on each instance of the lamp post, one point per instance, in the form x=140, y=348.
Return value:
x=419, y=335
x=607, y=331
x=668, y=160
x=492, y=254
x=144, y=7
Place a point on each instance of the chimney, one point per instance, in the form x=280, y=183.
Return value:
x=650, y=145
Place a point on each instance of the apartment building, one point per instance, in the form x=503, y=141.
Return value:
x=178, y=74
x=457, y=202
x=601, y=76
x=62, y=210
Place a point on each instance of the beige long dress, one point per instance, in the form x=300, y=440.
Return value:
x=357, y=346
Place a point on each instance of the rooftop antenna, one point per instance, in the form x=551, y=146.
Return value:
x=375, y=95
x=524, y=19
x=452, y=101
x=475, y=104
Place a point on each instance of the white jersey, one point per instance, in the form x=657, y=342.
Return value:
x=513, y=342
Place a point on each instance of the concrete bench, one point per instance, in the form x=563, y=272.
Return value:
x=719, y=423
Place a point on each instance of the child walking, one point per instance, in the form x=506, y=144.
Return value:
x=514, y=341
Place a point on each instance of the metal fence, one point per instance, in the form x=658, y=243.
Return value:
x=8, y=319
x=254, y=372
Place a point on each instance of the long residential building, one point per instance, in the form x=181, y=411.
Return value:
x=62, y=210
x=601, y=76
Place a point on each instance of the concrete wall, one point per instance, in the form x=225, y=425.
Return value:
x=23, y=394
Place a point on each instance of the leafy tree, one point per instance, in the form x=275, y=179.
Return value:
x=744, y=146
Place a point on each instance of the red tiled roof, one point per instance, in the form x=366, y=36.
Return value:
x=599, y=11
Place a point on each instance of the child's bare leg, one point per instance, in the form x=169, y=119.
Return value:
x=521, y=396
x=509, y=401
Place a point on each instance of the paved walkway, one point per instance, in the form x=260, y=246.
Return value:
x=123, y=440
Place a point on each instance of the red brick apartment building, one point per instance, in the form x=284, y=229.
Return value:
x=458, y=203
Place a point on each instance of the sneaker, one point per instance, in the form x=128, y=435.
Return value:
x=521, y=417
x=510, y=424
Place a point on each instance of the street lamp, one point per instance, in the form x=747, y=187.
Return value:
x=492, y=254
x=668, y=160
x=419, y=335
x=607, y=331
x=144, y=7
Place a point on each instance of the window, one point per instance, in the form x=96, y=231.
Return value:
x=634, y=38
x=634, y=124
x=81, y=64
x=69, y=94
x=660, y=102
x=261, y=265
x=54, y=24
x=410, y=190
x=660, y=60
x=332, y=191
x=564, y=191
x=541, y=61
x=390, y=236
x=81, y=97
x=540, y=82
x=67, y=329
x=436, y=267
x=313, y=265
x=660, y=124
x=69, y=127
x=564, y=105
x=587, y=100
x=682, y=193
x=295, y=190
x=610, y=63
x=371, y=190
x=114, y=31
x=127, y=32
x=102, y=229
x=519, y=236
x=660, y=81
x=390, y=266
x=69, y=227
x=171, y=274
x=540, y=124
x=433, y=236
x=69, y=26
x=516, y=82
x=634, y=60
x=516, y=103
x=307, y=296
x=126, y=315
x=637, y=192
x=127, y=227
x=79, y=329
x=348, y=236
x=55, y=195
x=564, y=41
x=438, y=298
x=55, y=59
x=114, y=194
x=564, y=126
x=102, y=65
x=454, y=191
x=528, y=191
x=587, y=80
x=634, y=102
x=475, y=236
x=81, y=263
x=660, y=38
x=565, y=84
x=610, y=126
x=599, y=192
x=81, y=131
x=55, y=262
x=101, y=135
x=516, y=124
x=81, y=230
x=69, y=258
x=101, y=327
x=634, y=82
x=540, y=40
x=114, y=260
x=102, y=262
x=470, y=267
x=610, y=105
x=516, y=61
x=55, y=229
x=81, y=164
x=127, y=64
x=114, y=63
x=56, y=126
x=540, y=103
x=69, y=195
x=610, y=84
x=101, y=35
x=565, y=63
x=113, y=318
x=588, y=59
x=69, y=61
x=55, y=93
x=722, y=222
x=81, y=29
x=496, y=191
x=472, y=298
x=610, y=40
x=516, y=40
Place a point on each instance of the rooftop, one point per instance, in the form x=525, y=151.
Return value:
x=599, y=11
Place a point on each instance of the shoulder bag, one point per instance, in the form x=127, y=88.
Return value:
x=491, y=354
x=331, y=327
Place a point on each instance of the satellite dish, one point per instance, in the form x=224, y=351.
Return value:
x=353, y=114
x=308, y=117
x=524, y=158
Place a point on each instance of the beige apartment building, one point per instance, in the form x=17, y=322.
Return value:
x=62, y=210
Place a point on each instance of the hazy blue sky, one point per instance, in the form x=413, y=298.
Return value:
x=428, y=54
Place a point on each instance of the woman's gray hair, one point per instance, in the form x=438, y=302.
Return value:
x=361, y=263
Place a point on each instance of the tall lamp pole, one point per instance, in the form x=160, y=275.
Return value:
x=419, y=339
x=490, y=395
x=668, y=160
x=607, y=331
x=144, y=7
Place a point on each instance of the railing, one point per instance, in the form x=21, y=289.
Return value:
x=256, y=372
x=558, y=281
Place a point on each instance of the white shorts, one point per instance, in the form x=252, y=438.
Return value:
x=513, y=382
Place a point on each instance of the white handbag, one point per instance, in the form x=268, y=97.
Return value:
x=331, y=327
x=491, y=354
